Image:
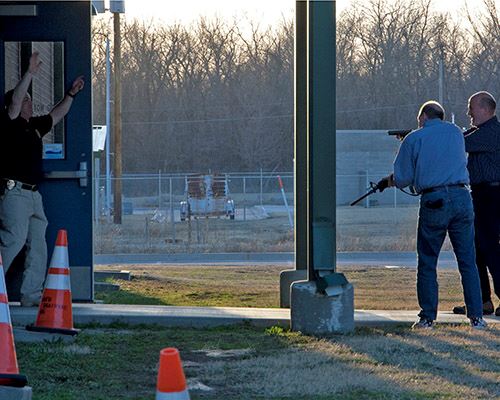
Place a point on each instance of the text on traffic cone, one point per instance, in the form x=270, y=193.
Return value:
x=55, y=313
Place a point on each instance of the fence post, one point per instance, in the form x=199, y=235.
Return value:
x=244, y=198
x=367, y=201
x=146, y=228
x=159, y=190
x=261, y=188
x=97, y=168
x=290, y=220
x=172, y=216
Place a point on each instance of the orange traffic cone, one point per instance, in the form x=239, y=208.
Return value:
x=55, y=314
x=9, y=371
x=171, y=384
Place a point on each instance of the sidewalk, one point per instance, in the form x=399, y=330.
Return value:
x=201, y=317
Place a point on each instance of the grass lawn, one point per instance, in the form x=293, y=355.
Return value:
x=243, y=362
x=375, y=288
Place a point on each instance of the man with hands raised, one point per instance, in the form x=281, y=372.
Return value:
x=22, y=218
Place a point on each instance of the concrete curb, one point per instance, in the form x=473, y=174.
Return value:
x=202, y=317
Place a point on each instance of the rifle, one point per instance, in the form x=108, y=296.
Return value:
x=381, y=185
x=400, y=133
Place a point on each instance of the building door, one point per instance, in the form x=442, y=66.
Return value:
x=60, y=32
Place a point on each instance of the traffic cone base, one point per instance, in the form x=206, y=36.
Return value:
x=34, y=328
x=14, y=380
x=184, y=395
x=55, y=314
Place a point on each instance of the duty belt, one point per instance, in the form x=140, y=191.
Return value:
x=11, y=184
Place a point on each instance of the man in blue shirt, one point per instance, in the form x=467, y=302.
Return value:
x=483, y=145
x=432, y=159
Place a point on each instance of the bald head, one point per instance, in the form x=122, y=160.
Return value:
x=430, y=110
x=482, y=107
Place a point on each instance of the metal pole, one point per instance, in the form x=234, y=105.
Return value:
x=244, y=199
x=108, y=132
x=159, y=189
x=321, y=134
x=97, y=169
x=301, y=200
x=441, y=78
x=261, y=189
x=290, y=220
x=172, y=216
x=118, y=121
x=367, y=185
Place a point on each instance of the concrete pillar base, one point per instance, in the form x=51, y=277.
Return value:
x=13, y=393
x=313, y=313
x=287, y=277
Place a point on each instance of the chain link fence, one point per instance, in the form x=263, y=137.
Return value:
x=263, y=220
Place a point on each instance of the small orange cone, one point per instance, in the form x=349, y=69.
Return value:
x=171, y=384
x=55, y=314
x=9, y=371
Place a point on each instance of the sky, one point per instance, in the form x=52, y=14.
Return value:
x=267, y=12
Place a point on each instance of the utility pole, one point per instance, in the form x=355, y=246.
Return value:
x=441, y=79
x=117, y=7
x=108, y=133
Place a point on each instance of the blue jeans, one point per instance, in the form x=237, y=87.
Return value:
x=448, y=210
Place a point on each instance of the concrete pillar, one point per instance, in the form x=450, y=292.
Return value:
x=287, y=277
x=313, y=313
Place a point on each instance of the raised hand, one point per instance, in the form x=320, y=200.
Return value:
x=35, y=63
x=77, y=85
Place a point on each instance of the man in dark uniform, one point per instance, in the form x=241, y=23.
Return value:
x=483, y=145
x=22, y=219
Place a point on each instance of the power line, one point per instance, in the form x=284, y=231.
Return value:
x=378, y=108
x=197, y=121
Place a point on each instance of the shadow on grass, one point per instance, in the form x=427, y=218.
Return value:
x=305, y=369
x=460, y=358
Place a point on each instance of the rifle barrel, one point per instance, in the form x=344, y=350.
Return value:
x=371, y=191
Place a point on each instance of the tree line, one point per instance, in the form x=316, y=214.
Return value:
x=215, y=95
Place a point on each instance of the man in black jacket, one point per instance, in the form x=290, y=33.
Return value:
x=483, y=146
x=22, y=218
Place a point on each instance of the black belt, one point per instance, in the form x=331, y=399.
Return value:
x=487, y=184
x=435, y=189
x=11, y=184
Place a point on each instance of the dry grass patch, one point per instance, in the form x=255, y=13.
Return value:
x=448, y=363
x=358, y=229
x=139, y=234
x=376, y=288
x=197, y=286
x=244, y=362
